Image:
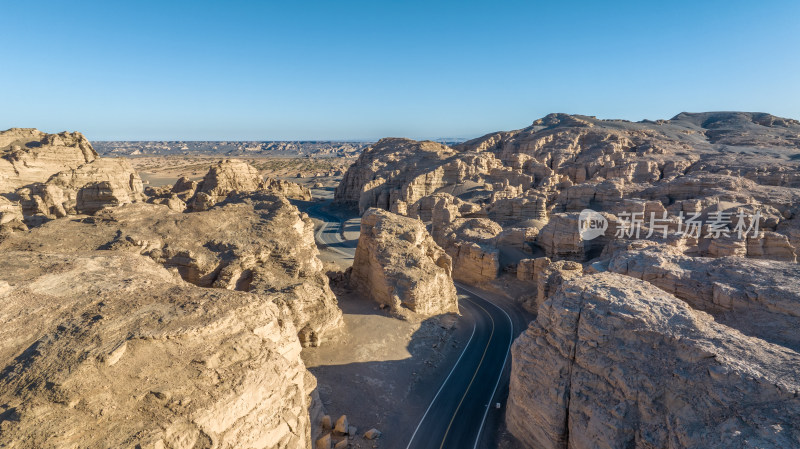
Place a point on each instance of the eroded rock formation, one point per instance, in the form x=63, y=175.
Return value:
x=231, y=176
x=82, y=190
x=694, y=163
x=398, y=264
x=757, y=297
x=612, y=361
x=253, y=242
x=110, y=349
x=48, y=176
x=28, y=156
x=615, y=362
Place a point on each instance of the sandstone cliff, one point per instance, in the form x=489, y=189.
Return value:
x=613, y=362
x=471, y=243
x=381, y=170
x=108, y=349
x=47, y=176
x=500, y=202
x=82, y=190
x=28, y=155
x=398, y=264
x=758, y=298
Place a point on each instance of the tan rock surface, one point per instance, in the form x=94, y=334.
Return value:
x=533, y=183
x=564, y=164
x=398, y=264
x=383, y=168
x=757, y=297
x=28, y=155
x=109, y=349
x=83, y=190
x=229, y=176
x=252, y=242
x=471, y=244
x=614, y=362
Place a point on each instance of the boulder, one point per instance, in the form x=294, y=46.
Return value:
x=341, y=427
x=326, y=422
x=9, y=211
x=324, y=442
x=372, y=434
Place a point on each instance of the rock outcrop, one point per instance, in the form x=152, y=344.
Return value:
x=255, y=242
x=757, y=297
x=381, y=171
x=546, y=276
x=110, y=349
x=398, y=264
x=82, y=190
x=231, y=176
x=614, y=362
x=48, y=176
x=29, y=156
x=666, y=201
x=471, y=243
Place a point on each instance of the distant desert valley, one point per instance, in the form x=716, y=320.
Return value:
x=579, y=283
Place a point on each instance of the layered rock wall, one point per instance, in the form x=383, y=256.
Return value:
x=614, y=362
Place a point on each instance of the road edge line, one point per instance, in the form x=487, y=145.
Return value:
x=505, y=361
x=452, y=370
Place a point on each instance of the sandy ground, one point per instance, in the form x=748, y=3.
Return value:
x=378, y=369
x=381, y=371
x=165, y=170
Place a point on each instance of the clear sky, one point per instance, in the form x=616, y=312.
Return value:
x=200, y=70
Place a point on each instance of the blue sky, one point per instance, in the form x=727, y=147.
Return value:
x=364, y=70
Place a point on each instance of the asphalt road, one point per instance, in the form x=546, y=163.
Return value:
x=456, y=416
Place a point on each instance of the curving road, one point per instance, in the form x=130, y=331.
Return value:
x=457, y=414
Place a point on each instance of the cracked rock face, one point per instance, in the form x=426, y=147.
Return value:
x=110, y=349
x=128, y=324
x=82, y=190
x=626, y=374
x=757, y=297
x=254, y=242
x=614, y=362
x=398, y=264
x=470, y=242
